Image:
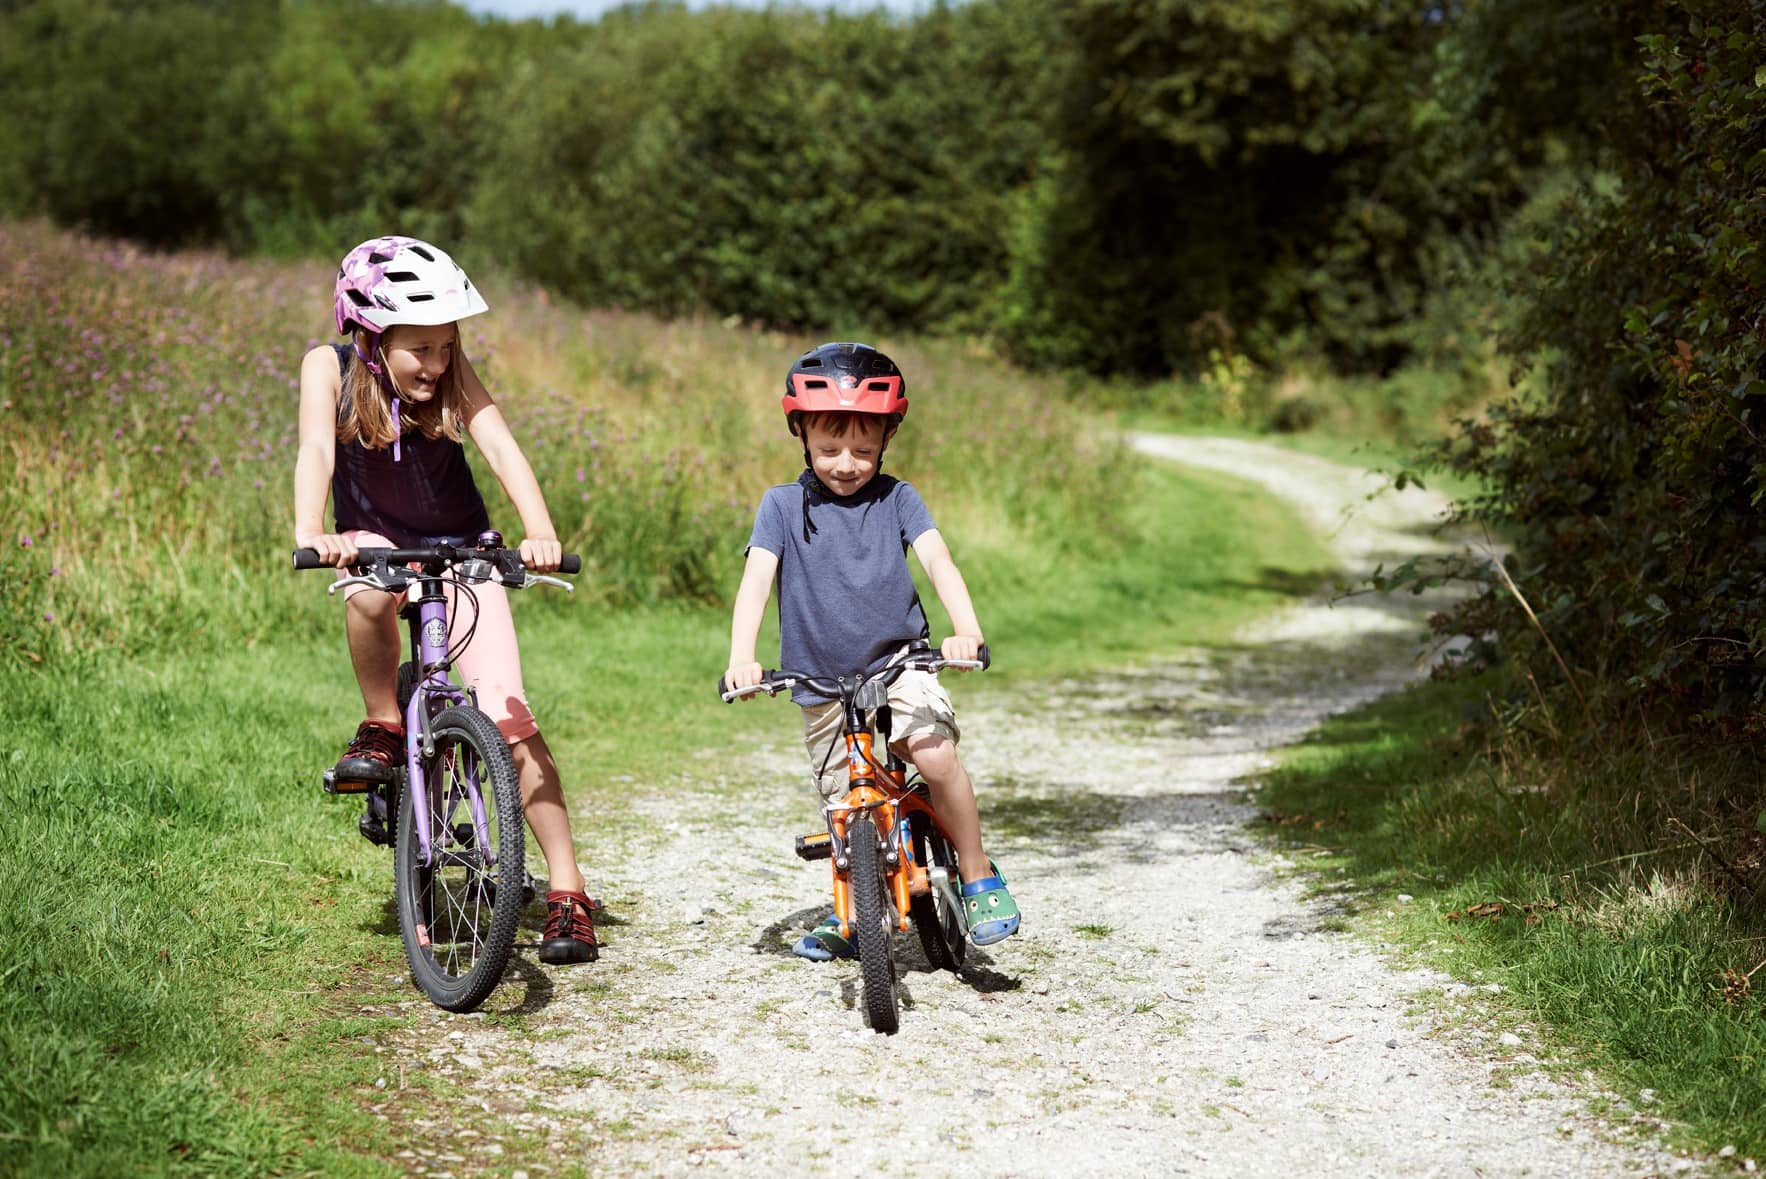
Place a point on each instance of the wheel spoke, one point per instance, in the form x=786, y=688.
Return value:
x=461, y=882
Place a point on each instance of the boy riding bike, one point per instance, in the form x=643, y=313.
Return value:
x=837, y=541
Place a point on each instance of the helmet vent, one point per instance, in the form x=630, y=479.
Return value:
x=379, y=259
x=357, y=297
x=878, y=387
x=420, y=298
x=810, y=362
x=818, y=383
x=401, y=276
x=423, y=253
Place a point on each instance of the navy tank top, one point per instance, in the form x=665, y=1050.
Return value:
x=423, y=496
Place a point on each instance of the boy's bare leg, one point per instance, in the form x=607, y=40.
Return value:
x=542, y=796
x=953, y=797
x=372, y=622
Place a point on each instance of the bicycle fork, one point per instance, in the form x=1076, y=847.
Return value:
x=428, y=618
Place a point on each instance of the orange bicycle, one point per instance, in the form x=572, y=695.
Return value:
x=894, y=863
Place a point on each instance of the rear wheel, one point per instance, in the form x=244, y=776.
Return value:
x=943, y=933
x=871, y=928
x=458, y=925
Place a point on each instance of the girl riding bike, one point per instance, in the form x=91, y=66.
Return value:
x=380, y=426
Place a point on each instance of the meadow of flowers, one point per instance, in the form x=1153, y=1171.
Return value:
x=149, y=402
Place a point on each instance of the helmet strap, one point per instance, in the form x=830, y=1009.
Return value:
x=367, y=358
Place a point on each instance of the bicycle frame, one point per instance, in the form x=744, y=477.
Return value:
x=428, y=618
x=883, y=790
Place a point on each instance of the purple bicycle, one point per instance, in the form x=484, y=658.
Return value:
x=460, y=849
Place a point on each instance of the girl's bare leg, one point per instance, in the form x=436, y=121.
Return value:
x=372, y=622
x=542, y=796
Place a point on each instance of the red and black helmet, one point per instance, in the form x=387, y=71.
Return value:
x=844, y=378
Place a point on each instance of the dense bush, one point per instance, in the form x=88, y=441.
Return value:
x=1631, y=477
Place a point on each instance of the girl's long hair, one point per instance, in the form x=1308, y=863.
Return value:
x=364, y=411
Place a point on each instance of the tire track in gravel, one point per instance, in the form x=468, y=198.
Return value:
x=1173, y=1005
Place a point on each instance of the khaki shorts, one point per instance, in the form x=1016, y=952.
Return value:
x=918, y=705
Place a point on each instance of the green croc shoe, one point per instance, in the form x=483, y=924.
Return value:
x=988, y=909
x=824, y=943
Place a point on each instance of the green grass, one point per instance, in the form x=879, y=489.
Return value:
x=1557, y=872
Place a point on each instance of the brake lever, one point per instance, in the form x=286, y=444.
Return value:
x=367, y=579
x=751, y=690
x=542, y=579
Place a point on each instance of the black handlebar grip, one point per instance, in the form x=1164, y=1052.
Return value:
x=571, y=563
x=308, y=559
x=986, y=659
x=722, y=687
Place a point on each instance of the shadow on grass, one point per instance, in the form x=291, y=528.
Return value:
x=1291, y=583
x=386, y=920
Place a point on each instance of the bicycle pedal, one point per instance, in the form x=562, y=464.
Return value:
x=358, y=775
x=346, y=786
x=373, y=830
x=815, y=847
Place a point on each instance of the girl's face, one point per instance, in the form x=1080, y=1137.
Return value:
x=416, y=357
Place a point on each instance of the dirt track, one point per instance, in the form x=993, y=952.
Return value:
x=1174, y=1004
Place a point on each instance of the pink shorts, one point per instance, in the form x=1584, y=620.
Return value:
x=491, y=663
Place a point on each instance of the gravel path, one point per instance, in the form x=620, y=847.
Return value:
x=1175, y=1004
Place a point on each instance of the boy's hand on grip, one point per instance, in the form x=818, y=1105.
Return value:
x=966, y=647
x=742, y=675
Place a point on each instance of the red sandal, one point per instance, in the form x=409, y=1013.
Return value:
x=570, y=929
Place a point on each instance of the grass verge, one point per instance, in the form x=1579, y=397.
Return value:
x=1583, y=878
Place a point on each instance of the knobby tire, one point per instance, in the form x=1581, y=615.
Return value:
x=869, y=910
x=461, y=901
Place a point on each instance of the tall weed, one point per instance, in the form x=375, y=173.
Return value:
x=151, y=402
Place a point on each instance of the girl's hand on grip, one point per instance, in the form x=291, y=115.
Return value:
x=332, y=548
x=542, y=553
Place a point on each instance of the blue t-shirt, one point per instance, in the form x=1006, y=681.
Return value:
x=847, y=601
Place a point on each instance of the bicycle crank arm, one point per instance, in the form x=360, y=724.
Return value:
x=941, y=880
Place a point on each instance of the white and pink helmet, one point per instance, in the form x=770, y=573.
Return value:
x=391, y=280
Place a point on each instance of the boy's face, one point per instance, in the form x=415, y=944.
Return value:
x=844, y=463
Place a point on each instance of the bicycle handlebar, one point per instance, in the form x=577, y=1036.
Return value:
x=309, y=559
x=833, y=688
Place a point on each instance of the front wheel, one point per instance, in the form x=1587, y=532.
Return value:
x=871, y=928
x=458, y=925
